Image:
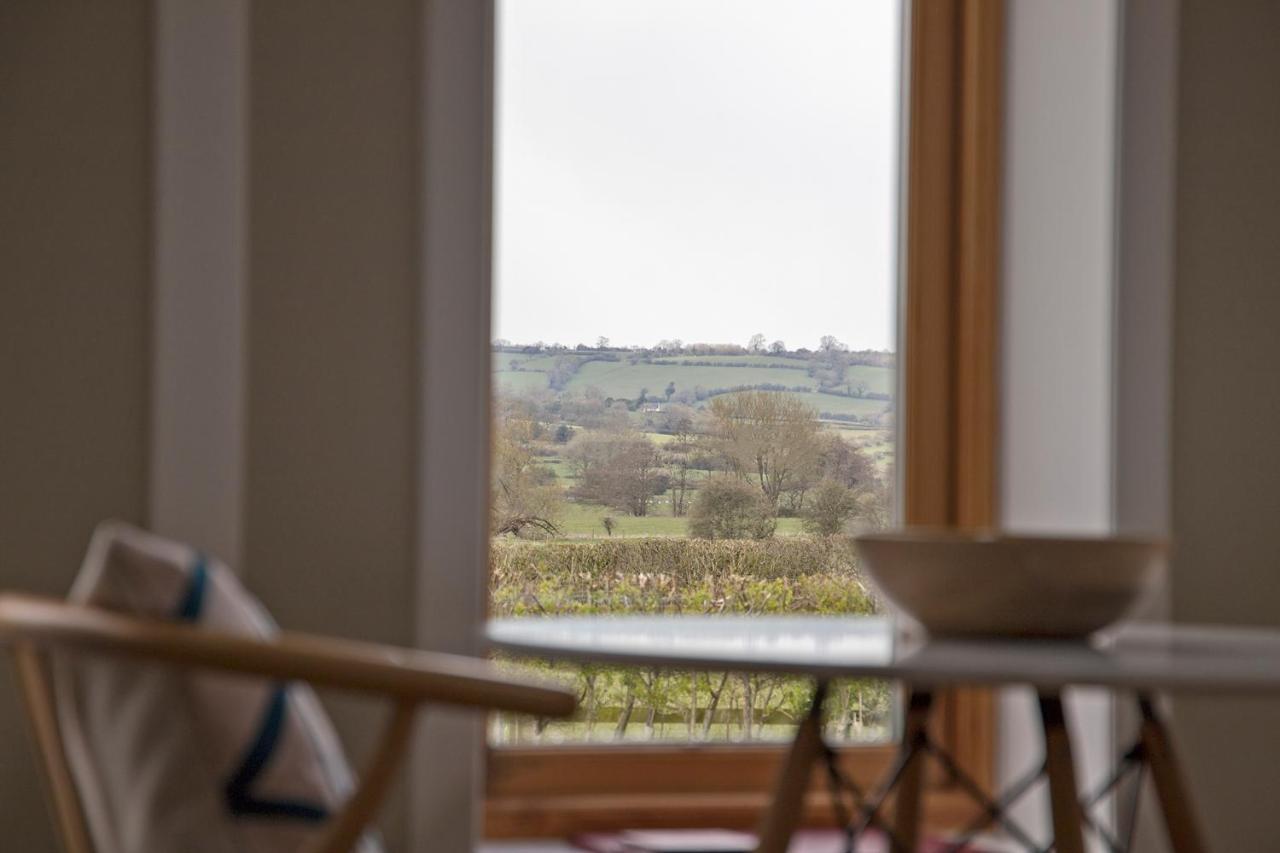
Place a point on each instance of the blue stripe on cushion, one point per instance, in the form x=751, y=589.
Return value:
x=239, y=799
x=189, y=607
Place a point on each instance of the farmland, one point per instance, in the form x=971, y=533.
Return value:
x=567, y=400
x=815, y=575
x=692, y=378
x=605, y=464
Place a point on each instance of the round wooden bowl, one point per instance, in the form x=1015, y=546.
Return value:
x=976, y=584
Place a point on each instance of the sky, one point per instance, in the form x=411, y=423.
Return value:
x=696, y=169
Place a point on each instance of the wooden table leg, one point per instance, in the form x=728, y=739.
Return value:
x=1171, y=790
x=1068, y=836
x=787, y=807
x=906, y=809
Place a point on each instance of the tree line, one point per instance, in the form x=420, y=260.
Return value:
x=732, y=470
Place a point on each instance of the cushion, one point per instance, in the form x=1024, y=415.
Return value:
x=167, y=759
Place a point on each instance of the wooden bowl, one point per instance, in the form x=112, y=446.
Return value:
x=987, y=584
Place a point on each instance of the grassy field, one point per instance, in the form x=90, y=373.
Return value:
x=837, y=405
x=585, y=520
x=522, y=380
x=621, y=379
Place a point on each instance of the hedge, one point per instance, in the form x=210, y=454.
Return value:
x=795, y=574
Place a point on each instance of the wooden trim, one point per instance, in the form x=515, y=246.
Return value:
x=952, y=255
x=537, y=792
x=948, y=441
x=952, y=319
x=929, y=413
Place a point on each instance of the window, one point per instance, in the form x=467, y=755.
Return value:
x=695, y=362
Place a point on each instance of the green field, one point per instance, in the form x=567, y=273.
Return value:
x=584, y=520
x=520, y=380
x=838, y=405
x=624, y=380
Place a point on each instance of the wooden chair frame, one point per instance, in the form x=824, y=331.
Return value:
x=407, y=678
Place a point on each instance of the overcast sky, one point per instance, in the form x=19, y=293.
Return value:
x=697, y=169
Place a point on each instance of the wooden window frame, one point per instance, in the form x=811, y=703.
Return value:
x=948, y=438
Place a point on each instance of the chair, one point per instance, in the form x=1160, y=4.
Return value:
x=34, y=627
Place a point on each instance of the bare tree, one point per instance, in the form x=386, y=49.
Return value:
x=616, y=469
x=768, y=437
x=525, y=498
x=756, y=344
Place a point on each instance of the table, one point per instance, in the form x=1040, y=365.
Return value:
x=1144, y=659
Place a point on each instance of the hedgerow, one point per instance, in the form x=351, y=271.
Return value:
x=796, y=574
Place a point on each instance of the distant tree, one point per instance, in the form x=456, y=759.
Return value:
x=830, y=362
x=618, y=469
x=756, y=344
x=844, y=463
x=501, y=344
x=829, y=507
x=671, y=389
x=680, y=480
x=525, y=499
x=602, y=342
x=777, y=347
x=608, y=523
x=562, y=370
x=677, y=419
x=564, y=432
x=767, y=437
x=730, y=508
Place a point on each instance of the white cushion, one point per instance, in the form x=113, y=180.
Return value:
x=167, y=759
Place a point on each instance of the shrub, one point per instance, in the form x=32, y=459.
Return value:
x=828, y=508
x=797, y=574
x=730, y=508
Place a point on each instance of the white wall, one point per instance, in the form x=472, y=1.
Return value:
x=1057, y=280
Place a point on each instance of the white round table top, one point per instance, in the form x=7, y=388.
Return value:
x=1201, y=659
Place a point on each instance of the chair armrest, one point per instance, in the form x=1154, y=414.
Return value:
x=405, y=674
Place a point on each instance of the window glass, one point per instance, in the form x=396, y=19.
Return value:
x=696, y=207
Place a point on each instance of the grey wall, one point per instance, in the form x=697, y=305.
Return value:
x=331, y=469
x=75, y=273
x=329, y=528
x=1226, y=472
x=323, y=503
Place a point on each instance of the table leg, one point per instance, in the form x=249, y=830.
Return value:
x=784, y=813
x=906, y=810
x=1171, y=791
x=1068, y=836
